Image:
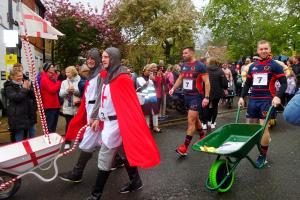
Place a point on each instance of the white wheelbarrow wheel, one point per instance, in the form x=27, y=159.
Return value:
x=10, y=190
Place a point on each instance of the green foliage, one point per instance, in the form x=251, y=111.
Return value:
x=147, y=24
x=83, y=29
x=240, y=24
x=69, y=47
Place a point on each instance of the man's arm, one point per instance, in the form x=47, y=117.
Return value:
x=205, y=100
x=247, y=85
x=205, y=79
x=176, y=85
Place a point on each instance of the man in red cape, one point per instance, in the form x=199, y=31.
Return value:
x=90, y=140
x=124, y=130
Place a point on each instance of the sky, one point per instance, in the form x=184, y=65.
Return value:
x=99, y=3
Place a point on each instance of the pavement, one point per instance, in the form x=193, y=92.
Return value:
x=183, y=178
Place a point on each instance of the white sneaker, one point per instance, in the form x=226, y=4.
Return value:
x=67, y=146
x=204, y=126
x=212, y=126
x=208, y=123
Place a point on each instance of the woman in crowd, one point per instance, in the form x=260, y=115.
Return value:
x=70, y=93
x=18, y=94
x=169, y=81
x=291, y=84
x=50, y=87
x=218, y=84
x=83, y=73
x=159, y=82
x=33, y=106
x=145, y=85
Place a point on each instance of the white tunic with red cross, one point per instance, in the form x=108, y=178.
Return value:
x=110, y=135
x=91, y=139
x=91, y=96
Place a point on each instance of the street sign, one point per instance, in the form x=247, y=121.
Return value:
x=10, y=59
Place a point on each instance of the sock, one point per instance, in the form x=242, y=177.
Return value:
x=264, y=150
x=188, y=140
x=201, y=132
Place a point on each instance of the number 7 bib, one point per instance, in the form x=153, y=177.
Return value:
x=260, y=79
x=187, y=84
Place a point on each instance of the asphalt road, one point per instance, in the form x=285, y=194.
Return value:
x=183, y=178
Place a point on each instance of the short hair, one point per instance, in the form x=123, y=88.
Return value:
x=189, y=48
x=263, y=42
x=170, y=68
x=153, y=65
x=148, y=66
x=14, y=72
x=213, y=61
x=73, y=70
x=17, y=66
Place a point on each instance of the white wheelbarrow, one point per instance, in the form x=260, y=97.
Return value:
x=21, y=158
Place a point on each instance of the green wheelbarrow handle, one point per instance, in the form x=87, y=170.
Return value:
x=237, y=117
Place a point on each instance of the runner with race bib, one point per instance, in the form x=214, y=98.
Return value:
x=261, y=78
x=193, y=74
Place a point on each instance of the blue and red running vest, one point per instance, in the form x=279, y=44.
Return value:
x=263, y=75
x=192, y=77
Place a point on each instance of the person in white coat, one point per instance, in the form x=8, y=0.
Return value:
x=70, y=93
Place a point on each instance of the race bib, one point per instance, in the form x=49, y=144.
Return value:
x=103, y=116
x=187, y=84
x=260, y=79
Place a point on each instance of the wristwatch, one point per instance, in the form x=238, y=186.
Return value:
x=206, y=97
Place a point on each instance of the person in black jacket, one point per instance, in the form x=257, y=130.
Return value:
x=18, y=95
x=32, y=104
x=218, y=84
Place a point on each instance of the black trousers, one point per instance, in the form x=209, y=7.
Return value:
x=210, y=112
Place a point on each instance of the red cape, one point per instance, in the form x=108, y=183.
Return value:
x=140, y=147
x=78, y=121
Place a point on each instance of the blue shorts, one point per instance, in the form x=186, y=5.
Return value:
x=258, y=109
x=193, y=102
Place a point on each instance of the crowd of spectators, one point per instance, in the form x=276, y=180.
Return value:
x=62, y=91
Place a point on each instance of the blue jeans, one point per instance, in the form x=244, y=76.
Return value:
x=32, y=131
x=20, y=135
x=291, y=112
x=52, y=118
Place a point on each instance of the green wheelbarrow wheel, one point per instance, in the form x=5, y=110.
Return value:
x=218, y=172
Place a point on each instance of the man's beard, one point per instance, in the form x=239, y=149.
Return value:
x=187, y=59
x=91, y=66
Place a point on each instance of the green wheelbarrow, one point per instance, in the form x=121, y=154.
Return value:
x=232, y=142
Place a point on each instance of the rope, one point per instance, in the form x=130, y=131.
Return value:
x=33, y=75
x=3, y=186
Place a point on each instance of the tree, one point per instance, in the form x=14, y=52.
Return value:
x=83, y=29
x=293, y=25
x=148, y=24
x=240, y=24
